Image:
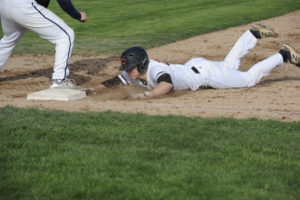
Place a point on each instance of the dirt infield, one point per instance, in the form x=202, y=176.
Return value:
x=276, y=97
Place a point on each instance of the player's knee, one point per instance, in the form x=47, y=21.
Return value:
x=252, y=79
x=69, y=36
x=72, y=35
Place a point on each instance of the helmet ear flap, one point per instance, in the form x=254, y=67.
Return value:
x=142, y=68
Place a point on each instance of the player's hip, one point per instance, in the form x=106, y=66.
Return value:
x=216, y=74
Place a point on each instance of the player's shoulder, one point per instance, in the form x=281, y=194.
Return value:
x=153, y=64
x=155, y=69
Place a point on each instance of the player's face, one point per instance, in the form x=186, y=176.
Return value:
x=133, y=73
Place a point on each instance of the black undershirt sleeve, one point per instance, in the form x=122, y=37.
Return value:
x=68, y=7
x=113, y=82
x=165, y=77
x=44, y=3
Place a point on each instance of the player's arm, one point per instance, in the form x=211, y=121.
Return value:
x=164, y=86
x=68, y=7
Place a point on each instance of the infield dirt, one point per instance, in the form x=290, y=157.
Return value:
x=275, y=97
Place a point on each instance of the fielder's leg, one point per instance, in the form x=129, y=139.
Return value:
x=12, y=34
x=49, y=26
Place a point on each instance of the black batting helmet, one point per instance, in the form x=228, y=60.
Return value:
x=134, y=57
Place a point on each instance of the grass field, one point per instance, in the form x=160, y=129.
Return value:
x=60, y=155
x=114, y=25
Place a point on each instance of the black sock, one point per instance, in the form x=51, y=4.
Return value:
x=255, y=33
x=285, y=55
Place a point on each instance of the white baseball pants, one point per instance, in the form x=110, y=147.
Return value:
x=19, y=16
x=225, y=74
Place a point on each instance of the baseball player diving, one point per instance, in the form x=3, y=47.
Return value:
x=160, y=78
x=19, y=16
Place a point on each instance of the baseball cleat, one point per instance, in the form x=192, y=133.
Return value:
x=263, y=30
x=292, y=56
x=64, y=84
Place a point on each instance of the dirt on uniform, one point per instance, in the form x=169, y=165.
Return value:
x=275, y=97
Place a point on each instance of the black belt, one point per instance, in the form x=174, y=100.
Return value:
x=195, y=70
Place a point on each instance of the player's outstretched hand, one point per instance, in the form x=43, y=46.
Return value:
x=137, y=96
x=83, y=17
x=141, y=95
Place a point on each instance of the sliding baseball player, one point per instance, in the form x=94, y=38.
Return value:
x=160, y=78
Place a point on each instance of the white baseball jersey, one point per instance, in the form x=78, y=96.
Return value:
x=182, y=77
x=19, y=16
x=199, y=72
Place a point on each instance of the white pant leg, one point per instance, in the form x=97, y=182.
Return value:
x=244, y=44
x=56, y=31
x=48, y=26
x=263, y=69
x=229, y=78
x=216, y=75
x=12, y=33
x=221, y=77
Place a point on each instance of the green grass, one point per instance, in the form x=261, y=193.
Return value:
x=59, y=155
x=115, y=25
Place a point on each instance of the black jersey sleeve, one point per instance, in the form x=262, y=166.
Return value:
x=165, y=77
x=68, y=7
